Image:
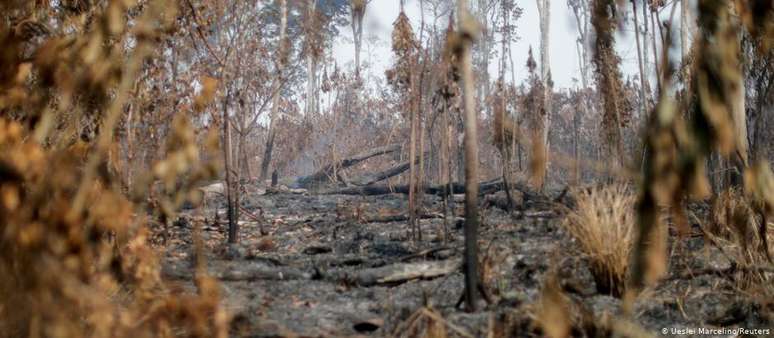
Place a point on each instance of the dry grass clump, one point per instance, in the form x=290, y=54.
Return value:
x=739, y=226
x=722, y=209
x=603, y=223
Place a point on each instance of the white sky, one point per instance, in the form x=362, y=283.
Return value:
x=380, y=15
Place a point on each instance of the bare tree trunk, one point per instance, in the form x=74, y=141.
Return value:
x=446, y=178
x=471, y=158
x=129, y=172
x=241, y=153
x=576, y=116
x=515, y=145
x=415, y=232
x=684, y=31
x=764, y=108
x=233, y=231
x=267, y=153
x=576, y=138
x=460, y=153
x=312, y=105
x=645, y=51
x=358, y=12
x=581, y=12
x=485, y=45
x=643, y=102
x=653, y=23
x=740, y=160
x=266, y=161
x=544, y=11
x=421, y=177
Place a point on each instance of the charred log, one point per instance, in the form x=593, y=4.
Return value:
x=326, y=173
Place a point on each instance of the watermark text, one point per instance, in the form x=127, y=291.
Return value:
x=715, y=331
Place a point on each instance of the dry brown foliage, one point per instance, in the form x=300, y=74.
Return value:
x=89, y=273
x=553, y=310
x=535, y=110
x=404, y=45
x=734, y=224
x=74, y=254
x=738, y=228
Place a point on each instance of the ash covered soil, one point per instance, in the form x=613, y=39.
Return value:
x=338, y=265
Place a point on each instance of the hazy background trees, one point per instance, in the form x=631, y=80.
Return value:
x=287, y=105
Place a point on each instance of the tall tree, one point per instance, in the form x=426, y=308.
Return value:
x=313, y=50
x=486, y=13
x=468, y=31
x=685, y=33
x=608, y=75
x=281, y=61
x=544, y=13
x=640, y=61
x=405, y=81
x=580, y=10
x=358, y=12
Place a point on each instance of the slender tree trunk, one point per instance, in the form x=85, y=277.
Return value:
x=653, y=23
x=233, y=231
x=268, y=150
x=471, y=159
x=421, y=172
x=581, y=13
x=312, y=105
x=459, y=148
x=129, y=172
x=582, y=45
x=645, y=51
x=358, y=12
x=445, y=167
x=485, y=43
x=515, y=144
x=764, y=107
x=684, y=31
x=242, y=165
x=415, y=232
x=643, y=102
x=267, y=153
x=544, y=11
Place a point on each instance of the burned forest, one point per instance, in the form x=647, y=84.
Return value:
x=386, y=168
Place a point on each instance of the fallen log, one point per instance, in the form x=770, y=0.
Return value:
x=398, y=218
x=538, y=214
x=262, y=273
x=371, y=178
x=327, y=171
x=243, y=273
x=397, y=273
x=384, y=275
x=456, y=188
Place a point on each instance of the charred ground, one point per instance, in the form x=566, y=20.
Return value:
x=316, y=271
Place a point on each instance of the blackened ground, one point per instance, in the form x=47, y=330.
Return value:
x=295, y=278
